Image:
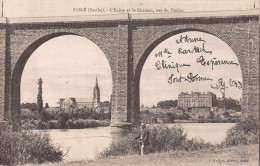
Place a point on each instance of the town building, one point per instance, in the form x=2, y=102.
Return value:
x=72, y=103
x=84, y=103
x=68, y=104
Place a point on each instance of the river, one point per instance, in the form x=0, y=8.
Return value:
x=87, y=143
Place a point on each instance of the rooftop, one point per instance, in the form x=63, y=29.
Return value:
x=83, y=100
x=195, y=93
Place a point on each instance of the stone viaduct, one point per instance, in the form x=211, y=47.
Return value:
x=126, y=41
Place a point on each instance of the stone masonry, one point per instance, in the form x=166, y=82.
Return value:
x=126, y=42
x=2, y=70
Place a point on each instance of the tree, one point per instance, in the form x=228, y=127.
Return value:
x=185, y=116
x=39, y=97
x=30, y=106
x=228, y=103
x=47, y=105
x=60, y=103
x=46, y=116
x=167, y=104
x=226, y=114
x=211, y=115
x=170, y=117
x=63, y=120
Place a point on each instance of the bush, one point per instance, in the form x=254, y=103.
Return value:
x=41, y=125
x=63, y=120
x=245, y=132
x=27, y=125
x=121, y=148
x=197, y=144
x=18, y=148
x=103, y=123
x=53, y=124
x=46, y=116
x=162, y=139
x=81, y=124
x=90, y=123
x=28, y=116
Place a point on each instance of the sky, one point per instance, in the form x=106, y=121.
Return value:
x=66, y=76
x=155, y=85
x=69, y=72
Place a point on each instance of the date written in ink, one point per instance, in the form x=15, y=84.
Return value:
x=221, y=85
x=236, y=84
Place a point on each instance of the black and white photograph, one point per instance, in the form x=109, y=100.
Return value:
x=129, y=82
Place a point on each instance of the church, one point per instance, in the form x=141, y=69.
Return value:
x=72, y=103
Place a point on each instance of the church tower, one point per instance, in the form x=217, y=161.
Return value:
x=96, y=95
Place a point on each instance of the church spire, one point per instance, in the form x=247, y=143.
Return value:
x=96, y=95
x=96, y=82
x=2, y=14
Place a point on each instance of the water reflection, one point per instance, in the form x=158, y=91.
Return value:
x=85, y=144
x=209, y=132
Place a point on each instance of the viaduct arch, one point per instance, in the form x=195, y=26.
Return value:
x=18, y=71
x=126, y=40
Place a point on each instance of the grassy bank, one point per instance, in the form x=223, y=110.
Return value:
x=244, y=155
x=18, y=148
x=170, y=145
x=162, y=139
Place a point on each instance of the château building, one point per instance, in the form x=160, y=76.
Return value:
x=197, y=99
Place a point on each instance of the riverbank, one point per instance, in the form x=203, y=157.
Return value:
x=68, y=124
x=243, y=155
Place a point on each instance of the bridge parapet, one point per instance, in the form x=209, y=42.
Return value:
x=133, y=17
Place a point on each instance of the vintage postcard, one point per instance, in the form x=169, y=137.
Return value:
x=121, y=82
